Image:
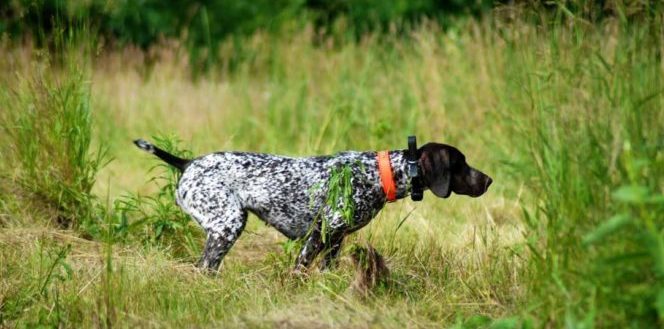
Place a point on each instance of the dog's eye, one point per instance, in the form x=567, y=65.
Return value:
x=458, y=165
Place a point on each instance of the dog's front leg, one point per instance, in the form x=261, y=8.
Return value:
x=332, y=249
x=310, y=250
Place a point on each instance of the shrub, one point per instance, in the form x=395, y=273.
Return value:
x=588, y=122
x=47, y=126
x=156, y=220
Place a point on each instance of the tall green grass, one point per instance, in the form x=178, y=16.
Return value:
x=47, y=151
x=565, y=115
x=588, y=125
x=154, y=219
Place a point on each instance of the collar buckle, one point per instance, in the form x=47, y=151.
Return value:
x=416, y=189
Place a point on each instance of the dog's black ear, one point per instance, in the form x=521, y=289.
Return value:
x=435, y=164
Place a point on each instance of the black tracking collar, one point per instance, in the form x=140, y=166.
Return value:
x=416, y=189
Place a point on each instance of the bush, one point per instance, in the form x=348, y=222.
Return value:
x=588, y=122
x=203, y=25
x=156, y=219
x=46, y=122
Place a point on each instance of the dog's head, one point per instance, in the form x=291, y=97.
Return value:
x=444, y=170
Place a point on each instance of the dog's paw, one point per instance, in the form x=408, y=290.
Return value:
x=299, y=272
x=204, y=268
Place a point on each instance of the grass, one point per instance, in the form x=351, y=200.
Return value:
x=47, y=123
x=565, y=116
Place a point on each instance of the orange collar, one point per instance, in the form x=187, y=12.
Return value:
x=386, y=177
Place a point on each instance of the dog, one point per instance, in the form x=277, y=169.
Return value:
x=319, y=199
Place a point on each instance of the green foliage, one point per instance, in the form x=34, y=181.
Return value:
x=143, y=23
x=46, y=122
x=567, y=103
x=339, y=196
x=369, y=15
x=203, y=25
x=52, y=270
x=156, y=219
x=588, y=121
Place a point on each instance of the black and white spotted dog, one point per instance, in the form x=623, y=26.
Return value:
x=292, y=194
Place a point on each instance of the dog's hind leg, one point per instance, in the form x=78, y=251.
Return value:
x=223, y=219
x=220, y=240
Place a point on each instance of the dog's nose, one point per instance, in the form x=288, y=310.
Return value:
x=487, y=183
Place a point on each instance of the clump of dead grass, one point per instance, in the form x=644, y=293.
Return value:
x=370, y=269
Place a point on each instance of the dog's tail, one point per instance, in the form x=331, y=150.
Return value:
x=171, y=159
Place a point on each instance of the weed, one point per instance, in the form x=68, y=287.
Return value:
x=53, y=269
x=588, y=158
x=156, y=219
x=48, y=128
x=370, y=269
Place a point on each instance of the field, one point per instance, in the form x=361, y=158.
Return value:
x=566, y=116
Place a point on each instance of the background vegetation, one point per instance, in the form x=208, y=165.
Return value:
x=560, y=102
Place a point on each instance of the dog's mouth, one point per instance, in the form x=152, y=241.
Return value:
x=473, y=184
x=482, y=186
x=449, y=192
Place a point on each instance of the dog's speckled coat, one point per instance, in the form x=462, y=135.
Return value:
x=218, y=190
x=290, y=194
